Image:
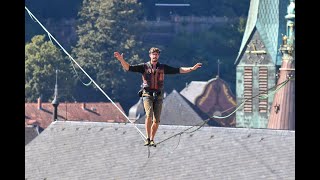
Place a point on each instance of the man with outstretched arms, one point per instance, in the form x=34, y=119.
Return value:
x=153, y=87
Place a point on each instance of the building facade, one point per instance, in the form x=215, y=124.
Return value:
x=257, y=62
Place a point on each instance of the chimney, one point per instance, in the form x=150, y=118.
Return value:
x=84, y=106
x=55, y=101
x=39, y=103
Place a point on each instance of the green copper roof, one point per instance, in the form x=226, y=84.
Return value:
x=268, y=17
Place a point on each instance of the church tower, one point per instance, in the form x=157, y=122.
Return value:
x=257, y=61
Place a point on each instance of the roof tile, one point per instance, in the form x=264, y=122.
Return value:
x=95, y=112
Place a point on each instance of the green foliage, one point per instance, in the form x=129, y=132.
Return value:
x=42, y=59
x=104, y=27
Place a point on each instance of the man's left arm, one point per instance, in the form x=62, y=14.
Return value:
x=189, y=69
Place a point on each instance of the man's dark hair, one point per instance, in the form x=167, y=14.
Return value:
x=153, y=49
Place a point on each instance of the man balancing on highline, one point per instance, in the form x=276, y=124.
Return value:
x=153, y=83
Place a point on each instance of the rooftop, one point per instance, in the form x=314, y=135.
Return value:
x=99, y=150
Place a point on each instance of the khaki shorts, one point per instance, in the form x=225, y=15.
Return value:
x=152, y=109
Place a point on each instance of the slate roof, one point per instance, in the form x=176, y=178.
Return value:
x=96, y=112
x=268, y=18
x=30, y=132
x=177, y=110
x=193, y=90
x=91, y=150
x=136, y=111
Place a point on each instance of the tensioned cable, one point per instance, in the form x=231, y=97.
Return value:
x=33, y=17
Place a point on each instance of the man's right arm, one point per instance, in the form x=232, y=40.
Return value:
x=119, y=57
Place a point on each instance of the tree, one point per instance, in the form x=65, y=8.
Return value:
x=104, y=27
x=42, y=59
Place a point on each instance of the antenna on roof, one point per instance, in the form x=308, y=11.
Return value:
x=218, y=62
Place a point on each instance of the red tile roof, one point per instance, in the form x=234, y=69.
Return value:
x=94, y=112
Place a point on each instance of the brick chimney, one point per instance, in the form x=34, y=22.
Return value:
x=84, y=106
x=39, y=103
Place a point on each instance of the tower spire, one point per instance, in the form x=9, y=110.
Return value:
x=282, y=111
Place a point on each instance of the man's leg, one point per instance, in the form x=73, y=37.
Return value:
x=148, y=123
x=156, y=119
x=148, y=107
x=154, y=129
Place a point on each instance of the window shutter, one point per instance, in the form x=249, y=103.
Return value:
x=263, y=87
x=248, y=89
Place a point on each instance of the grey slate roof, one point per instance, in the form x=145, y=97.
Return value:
x=99, y=150
x=30, y=132
x=268, y=17
x=193, y=90
x=136, y=111
x=177, y=110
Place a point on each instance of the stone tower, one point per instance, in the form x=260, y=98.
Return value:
x=257, y=61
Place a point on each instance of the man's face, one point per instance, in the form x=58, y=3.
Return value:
x=154, y=57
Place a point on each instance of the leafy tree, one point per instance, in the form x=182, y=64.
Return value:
x=42, y=59
x=104, y=27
